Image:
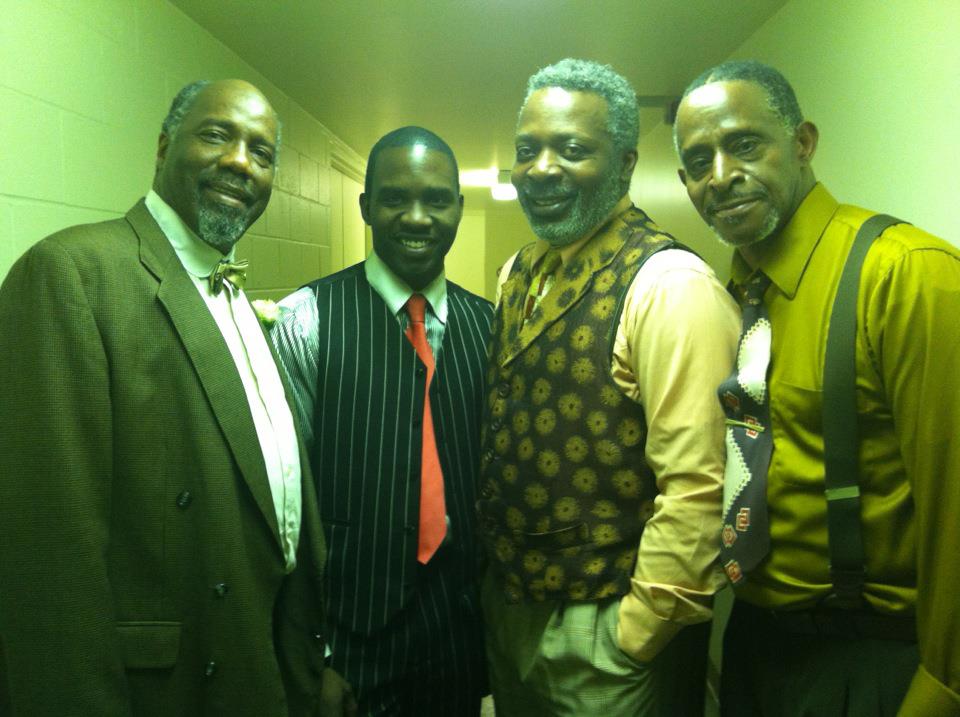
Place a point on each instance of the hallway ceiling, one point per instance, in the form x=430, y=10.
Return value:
x=458, y=67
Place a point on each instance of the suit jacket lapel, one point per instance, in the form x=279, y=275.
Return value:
x=210, y=357
x=570, y=283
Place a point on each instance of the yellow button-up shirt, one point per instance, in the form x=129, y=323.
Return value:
x=907, y=365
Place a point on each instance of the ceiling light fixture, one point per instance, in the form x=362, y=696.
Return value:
x=498, y=180
x=503, y=190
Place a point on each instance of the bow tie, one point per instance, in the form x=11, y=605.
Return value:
x=234, y=272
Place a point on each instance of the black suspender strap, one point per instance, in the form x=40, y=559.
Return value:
x=840, y=431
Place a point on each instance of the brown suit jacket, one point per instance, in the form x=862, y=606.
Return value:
x=141, y=571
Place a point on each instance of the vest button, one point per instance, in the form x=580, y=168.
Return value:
x=496, y=425
x=210, y=669
x=184, y=499
x=220, y=590
x=503, y=390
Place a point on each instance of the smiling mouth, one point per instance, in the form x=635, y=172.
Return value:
x=547, y=206
x=734, y=208
x=234, y=195
x=415, y=243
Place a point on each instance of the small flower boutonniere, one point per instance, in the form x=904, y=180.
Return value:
x=267, y=311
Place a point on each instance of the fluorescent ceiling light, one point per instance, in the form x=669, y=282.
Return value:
x=503, y=192
x=478, y=177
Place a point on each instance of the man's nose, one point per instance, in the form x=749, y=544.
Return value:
x=724, y=171
x=544, y=165
x=237, y=158
x=416, y=215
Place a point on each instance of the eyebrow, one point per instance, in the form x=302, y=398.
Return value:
x=232, y=126
x=562, y=136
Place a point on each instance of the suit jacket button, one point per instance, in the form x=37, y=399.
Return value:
x=210, y=669
x=220, y=589
x=184, y=499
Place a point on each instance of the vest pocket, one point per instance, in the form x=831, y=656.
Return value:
x=149, y=645
x=553, y=540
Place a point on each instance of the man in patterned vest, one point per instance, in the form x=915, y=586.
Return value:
x=602, y=457
x=396, y=473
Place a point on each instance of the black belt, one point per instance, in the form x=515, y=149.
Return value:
x=849, y=624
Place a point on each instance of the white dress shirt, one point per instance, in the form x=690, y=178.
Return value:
x=258, y=372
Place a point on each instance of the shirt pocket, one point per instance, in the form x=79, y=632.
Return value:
x=797, y=421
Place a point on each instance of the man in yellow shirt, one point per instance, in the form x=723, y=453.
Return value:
x=790, y=648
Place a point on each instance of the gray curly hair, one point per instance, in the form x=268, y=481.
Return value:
x=623, y=115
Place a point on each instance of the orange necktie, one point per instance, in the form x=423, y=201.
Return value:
x=433, y=511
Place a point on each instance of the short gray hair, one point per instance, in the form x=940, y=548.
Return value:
x=781, y=99
x=183, y=103
x=180, y=107
x=623, y=115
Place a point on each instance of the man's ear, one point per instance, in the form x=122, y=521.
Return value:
x=629, y=162
x=682, y=173
x=163, y=142
x=364, y=208
x=807, y=137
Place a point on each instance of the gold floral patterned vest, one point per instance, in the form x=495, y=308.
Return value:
x=565, y=490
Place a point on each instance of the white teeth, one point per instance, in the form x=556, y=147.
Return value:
x=414, y=243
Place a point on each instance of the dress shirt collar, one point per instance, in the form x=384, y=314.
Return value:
x=395, y=292
x=570, y=250
x=197, y=257
x=784, y=258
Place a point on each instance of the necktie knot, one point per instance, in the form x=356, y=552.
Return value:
x=755, y=288
x=417, y=308
x=234, y=272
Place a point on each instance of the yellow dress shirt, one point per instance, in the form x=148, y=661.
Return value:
x=676, y=341
x=907, y=363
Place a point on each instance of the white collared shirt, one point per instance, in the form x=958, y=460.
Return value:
x=258, y=372
x=395, y=292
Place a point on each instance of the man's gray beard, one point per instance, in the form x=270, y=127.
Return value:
x=220, y=226
x=587, y=212
x=769, y=227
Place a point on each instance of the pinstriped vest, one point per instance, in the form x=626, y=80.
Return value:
x=565, y=487
x=366, y=452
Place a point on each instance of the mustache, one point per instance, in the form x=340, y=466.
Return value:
x=546, y=191
x=228, y=180
x=734, y=196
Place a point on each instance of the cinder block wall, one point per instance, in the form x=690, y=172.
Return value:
x=84, y=87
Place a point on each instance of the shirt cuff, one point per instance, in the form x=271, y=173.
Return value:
x=928, y=697
x=643, y=629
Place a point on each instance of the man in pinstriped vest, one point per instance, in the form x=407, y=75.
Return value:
x=404, y=622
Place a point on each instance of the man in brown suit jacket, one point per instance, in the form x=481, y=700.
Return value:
x=160, y=549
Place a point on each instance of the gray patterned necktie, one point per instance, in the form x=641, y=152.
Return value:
x=745, y=539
